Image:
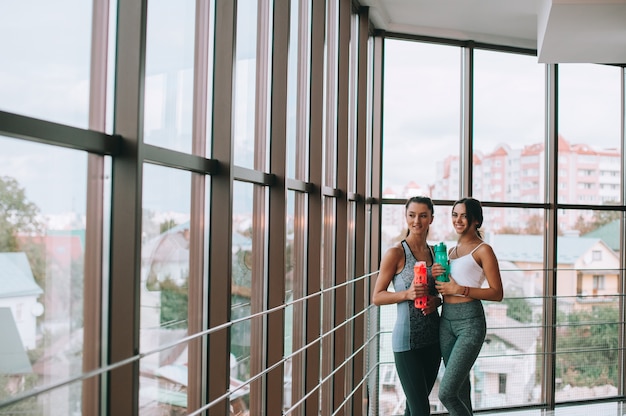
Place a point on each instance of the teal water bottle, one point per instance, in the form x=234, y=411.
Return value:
x=441, y=257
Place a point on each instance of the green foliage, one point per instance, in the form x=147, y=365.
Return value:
x=174, y=305
x=17, y=214
x=605, y=217
x=600, y=218
x=587, y=348
x=518, y=309
x=167, y=225
x=20, y=228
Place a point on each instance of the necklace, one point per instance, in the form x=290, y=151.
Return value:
x=472, y=244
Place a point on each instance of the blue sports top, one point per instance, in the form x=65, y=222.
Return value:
x=466, y=271
x=413, y=329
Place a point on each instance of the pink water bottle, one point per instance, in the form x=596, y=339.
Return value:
x=420, y=278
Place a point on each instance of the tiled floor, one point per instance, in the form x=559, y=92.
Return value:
x=596, y=409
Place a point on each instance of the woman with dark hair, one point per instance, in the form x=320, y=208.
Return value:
x=415, y=337
x=463, y=326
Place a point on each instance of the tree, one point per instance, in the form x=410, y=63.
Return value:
x=509, y=230
x=587, y=350
x=601, y=218
x=583, y=226
x=20, y=230
x=518, y=309
x=20, y=227
x=18, y=216
x=167, y=225
x=174, y=309
x=536, y=225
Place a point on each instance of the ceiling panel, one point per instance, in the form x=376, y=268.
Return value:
x=585, y=31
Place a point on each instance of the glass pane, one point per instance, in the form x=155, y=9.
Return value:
x=295, y=315
x=328, y=305
x=164, y=283
x=331, y=80
x=290, y=287
x=245, y=84
x=590, y=115
x=164, y=391
x=509, y=126
x=298, y=92
x=169, y=74
x=45, y=63
x=588, y=318
x=42, y=252
x=506, y=371
x=421, y=120
x=243, y=264
x=352, y=112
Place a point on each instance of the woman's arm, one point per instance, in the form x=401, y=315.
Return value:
x=486, y=258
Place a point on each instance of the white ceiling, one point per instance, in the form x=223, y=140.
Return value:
x=562, y=31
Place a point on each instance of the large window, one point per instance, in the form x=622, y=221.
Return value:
x=590, y=143
x=246, y=83
x=43, y=306
x=508, y=129
x=194, y=198
x=164, y=289
x=421, y=120
x=169, y=75
x=567, y=259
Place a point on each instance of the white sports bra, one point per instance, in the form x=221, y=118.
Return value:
x=466, y=271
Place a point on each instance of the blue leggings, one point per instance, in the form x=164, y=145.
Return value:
x=417, y=370
x=462, y=333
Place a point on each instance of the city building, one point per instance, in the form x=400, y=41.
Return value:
x=586, y=175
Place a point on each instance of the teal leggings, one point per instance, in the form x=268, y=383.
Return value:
x=462, y=333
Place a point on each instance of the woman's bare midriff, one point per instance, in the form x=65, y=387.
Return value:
x=456, y=299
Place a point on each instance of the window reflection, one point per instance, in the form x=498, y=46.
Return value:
x=293, y=290
x=243, y=270
x=42, y=249
x=164, y=287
